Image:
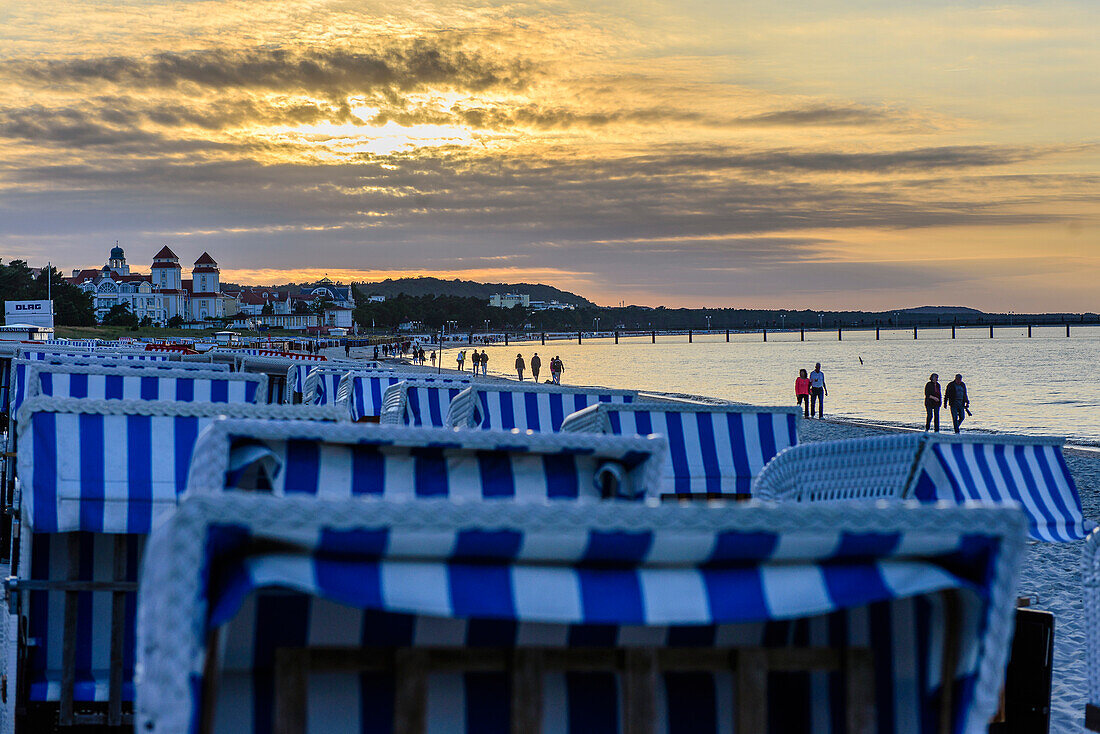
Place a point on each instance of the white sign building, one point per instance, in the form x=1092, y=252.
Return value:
x=34, y=313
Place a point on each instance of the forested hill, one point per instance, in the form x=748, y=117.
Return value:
x=467, y=289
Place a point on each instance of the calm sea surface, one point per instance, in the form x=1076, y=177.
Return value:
x=1047, y=384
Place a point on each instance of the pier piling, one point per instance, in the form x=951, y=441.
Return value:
x=727, y=335
x=991, y=331
x=876, y=333
x=765, y=332
x=914, y=332
x=1067, y=328
x=544, y=338
x=952, y=332
x=506, y=338
x=689, y=336
x=802, y=334
x=616, y=337
x=653, y=336
x=1029, y=331
x=839, y=336
x=578, y=337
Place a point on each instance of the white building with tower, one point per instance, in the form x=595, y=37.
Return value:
x=159, y=296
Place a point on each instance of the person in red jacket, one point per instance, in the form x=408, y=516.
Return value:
x=802, y=392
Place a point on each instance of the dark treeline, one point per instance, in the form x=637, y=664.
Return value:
x=72, y=306
x=471, y=313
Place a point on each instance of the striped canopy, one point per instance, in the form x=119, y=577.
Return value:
x=526, y=406
x=297, y=373
x=571, y=575
x=117, y=466
x=18, y=376
x=716, y=449
x=343, y=461
x=998, y=468
x=364, y=393
x=119, y=383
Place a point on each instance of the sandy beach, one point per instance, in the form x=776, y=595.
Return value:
x=1051, y=577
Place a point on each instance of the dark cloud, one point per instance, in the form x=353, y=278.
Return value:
x=810, y=116
x=403, y=67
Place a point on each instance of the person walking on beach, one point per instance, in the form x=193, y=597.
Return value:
x=484, y=363
x=536, y=365
x=556, y=368
x=802, y=392
x=818, y=391
x=520, y=366
x=932, y=401
x=433, y=358
x=460, y=358
x=958, y=400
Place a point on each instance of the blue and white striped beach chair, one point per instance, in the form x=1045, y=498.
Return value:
x=394, y=462
x=419, y=402
x=1090, y=577
x=118, y=383
x=95, y=477
x=261, y=614
x=18, y=369
x=1029, y=470
x=298, y=373
x=527, y=406
x=713, y=449
x=365, y=396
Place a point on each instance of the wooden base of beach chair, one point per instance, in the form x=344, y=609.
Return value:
x=686, y=497
x=638, y=667
x=1092, y=717
x=90, y=714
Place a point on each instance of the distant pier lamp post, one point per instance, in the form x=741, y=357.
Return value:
x=596, y=325
x=783, y=321
x=821, y=321
x=708, y=323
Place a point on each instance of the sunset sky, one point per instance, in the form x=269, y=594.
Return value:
x=819, y=153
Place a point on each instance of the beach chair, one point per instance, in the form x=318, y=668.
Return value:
x=349, y=460
x=1090, y=578
x=297, y=374
x=1030, y=470
x=117, y=383
x=879, y=467
x=322, y=384
x=526, y=406
x=95, y=476
x=714, y=450
x=365, y=394
x=285, y=614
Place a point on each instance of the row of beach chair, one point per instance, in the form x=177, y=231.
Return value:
x=306, y=573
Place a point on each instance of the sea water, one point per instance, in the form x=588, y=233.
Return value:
x=1044, y=385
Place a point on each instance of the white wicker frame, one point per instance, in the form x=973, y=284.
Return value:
x=1090, y=580
x=880, y=467
x=171, y=645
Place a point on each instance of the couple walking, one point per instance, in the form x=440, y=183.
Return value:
x=810, y=391
x=479, y=361
x=956, y=397
x=536, y=366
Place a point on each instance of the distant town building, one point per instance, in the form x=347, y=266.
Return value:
x=551, y=306
x=375, y=298
x=158, y=296
x=510, y=300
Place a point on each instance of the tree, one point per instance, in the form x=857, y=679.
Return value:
x=175, y=322
x=72, y=306
x=267, y=309
x=120, y=315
